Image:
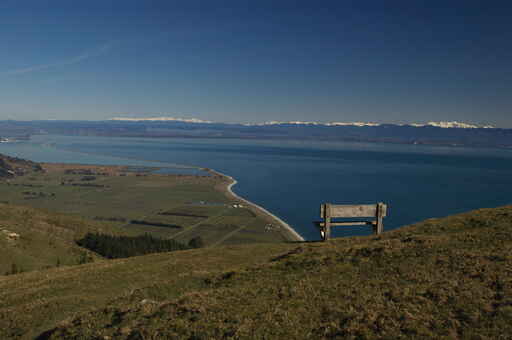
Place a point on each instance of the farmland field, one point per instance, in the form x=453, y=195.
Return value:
x=138, y=202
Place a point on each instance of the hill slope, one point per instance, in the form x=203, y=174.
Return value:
x=12, y=166
x=442, y=278
x=32, y=239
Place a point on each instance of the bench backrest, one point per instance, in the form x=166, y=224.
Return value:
x=365, y=210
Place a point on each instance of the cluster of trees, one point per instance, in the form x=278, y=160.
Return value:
x=156, y=224
x=88, y=185
x=114, y=247
x=15, y=269
x=110, y=219
x=87, y=172
x=196, y=242
x=40, y=194
x=167, y=213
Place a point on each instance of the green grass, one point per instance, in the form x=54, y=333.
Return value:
x=445, y=278
x=118, y=197
x=46, y=239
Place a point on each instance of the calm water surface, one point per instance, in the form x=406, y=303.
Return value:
x=292, y=178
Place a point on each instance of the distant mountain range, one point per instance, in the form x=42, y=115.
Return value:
x=445, y=125
x=432, y=133
x=162, y=119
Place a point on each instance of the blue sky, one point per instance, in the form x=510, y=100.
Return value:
x=252, y=61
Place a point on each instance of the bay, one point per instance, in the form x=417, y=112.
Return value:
x=292, y=178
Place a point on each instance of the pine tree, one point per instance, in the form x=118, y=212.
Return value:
x=196, y=242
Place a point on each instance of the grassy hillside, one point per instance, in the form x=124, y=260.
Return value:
x=445, y=278
x=11, y=167
x=32, y=239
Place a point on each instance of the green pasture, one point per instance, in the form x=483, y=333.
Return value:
x=166, y=206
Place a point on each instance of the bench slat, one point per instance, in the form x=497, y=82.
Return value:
x=365, y=210
x=342, y=224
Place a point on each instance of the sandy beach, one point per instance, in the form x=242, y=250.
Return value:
x=293, y=235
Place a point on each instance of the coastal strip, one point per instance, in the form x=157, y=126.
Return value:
x=290, y=233
x=293, y=235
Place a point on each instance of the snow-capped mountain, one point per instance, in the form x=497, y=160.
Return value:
x=444, y=125
x=195, y=120
x=360, y=124
x=162, y=119
x=453, y=125
x=313, y=123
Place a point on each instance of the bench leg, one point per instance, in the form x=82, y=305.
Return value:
x=327, y=218
x=379, y=228
x=325, y=233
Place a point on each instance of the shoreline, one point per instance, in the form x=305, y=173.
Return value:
x=295, y=236
x=290, y=233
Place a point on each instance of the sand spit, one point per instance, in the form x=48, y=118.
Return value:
x=293, y=234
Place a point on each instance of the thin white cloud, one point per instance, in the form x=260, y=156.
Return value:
x=75, y=60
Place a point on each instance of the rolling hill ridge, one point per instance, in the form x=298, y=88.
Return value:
x=441, y=278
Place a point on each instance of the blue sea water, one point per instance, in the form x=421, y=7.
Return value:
x=292, y=178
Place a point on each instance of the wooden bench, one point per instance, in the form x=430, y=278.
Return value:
x=374, y=212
